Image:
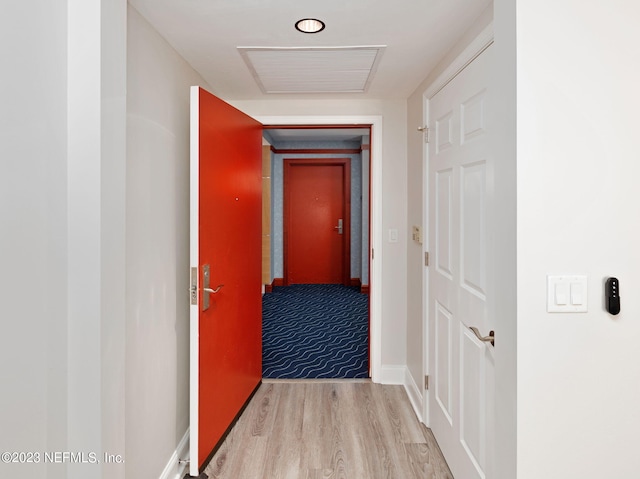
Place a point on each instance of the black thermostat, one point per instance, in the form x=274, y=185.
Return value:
x=612, y=295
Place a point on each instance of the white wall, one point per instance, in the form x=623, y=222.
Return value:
x=96, y=77
x=113, y=84
x=63, y=234
x=578, y=212
x=33, y=238
x=394, y=209
x=157, y=272
x=505, y=243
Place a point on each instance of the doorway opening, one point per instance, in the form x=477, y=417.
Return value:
x=317, y=221
x=316, y=251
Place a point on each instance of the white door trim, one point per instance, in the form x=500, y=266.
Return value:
x=375, y=274
x=194, y=261
x=475, y=48
x=470, y=53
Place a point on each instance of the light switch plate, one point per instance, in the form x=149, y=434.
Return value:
x=567, y=294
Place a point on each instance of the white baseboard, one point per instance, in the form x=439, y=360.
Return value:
x=415, y=394
x=173, y=469
x=400, y=375
x=392, y=374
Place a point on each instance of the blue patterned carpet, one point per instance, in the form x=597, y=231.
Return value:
x=315, y=331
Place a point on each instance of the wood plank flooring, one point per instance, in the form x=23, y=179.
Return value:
x=328, y=430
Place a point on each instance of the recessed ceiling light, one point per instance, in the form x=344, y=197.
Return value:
x=309, y=25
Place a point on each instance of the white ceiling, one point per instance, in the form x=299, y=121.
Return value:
x=207, y=33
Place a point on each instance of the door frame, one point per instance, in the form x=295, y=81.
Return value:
x=346, y=210
x=376, y=235
x=470, y=53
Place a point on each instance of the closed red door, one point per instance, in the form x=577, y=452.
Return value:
x=226, y=321
x=317, y=224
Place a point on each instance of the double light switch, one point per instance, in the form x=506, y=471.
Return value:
x=567, y=294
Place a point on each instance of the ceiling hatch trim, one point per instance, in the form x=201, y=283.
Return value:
x=313, y=69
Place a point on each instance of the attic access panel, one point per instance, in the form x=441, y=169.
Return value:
x=314, y=69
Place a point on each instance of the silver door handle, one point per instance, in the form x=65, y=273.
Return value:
x=339, y=227
x=485, y=339
x=213, y=291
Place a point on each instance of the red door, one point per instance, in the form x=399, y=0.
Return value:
x=317, y=221
x=226, y=322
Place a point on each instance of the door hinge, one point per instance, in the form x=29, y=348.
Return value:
x=372, y=255
x=426, y=382
x=426, y=258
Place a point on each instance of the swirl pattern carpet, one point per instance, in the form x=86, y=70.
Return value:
x=315, y=331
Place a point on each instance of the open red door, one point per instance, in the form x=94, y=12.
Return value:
x=225, y=259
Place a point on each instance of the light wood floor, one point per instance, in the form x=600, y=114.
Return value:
x=322, y=430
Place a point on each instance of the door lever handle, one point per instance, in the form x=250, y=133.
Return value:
x=213, y=291
x=339, y=227
x=485, y=339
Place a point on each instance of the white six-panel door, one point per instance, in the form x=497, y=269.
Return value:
x=461, y=286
